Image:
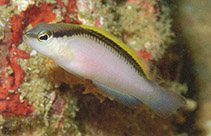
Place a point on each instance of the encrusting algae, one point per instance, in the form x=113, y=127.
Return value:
x=67, y=105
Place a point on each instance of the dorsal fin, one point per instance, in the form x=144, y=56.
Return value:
x=150, y=70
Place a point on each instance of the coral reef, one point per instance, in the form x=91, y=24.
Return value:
x=194, y=21
x=12, y=74
x=39, y=98
x=139, y=23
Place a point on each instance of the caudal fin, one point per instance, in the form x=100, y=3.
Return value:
x=163, y=102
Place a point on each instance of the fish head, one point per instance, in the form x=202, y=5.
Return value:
x=42, y=39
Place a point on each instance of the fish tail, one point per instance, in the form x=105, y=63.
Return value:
x=163, y=102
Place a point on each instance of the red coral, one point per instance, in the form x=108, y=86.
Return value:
x=13, y=106
x=4, y=2
x=17, y=28
x=9, y=102
x=145, y=55
x=3, y=105
x=60, y=3
x=18, y=73
x=71, y=9
x=3, y=94
x=35, y=15
x=19, y=53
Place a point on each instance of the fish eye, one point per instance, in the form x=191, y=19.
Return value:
x=44, y=36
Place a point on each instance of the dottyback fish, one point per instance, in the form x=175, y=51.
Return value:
x=95, y=54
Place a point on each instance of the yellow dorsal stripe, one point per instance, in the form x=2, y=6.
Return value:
x=131, y=52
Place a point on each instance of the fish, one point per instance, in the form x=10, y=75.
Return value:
x=95, y=54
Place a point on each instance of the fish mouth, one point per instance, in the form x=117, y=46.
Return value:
x=28, y=35
x=25, y=38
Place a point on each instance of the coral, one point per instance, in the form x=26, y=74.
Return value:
x=11, y=81
x=69, y=11
x=17, y=29
x=12, y=75
x=97, y=13
x=58, y=103
x=141, y=24
x=195, y=30
x=10, y=103
x=145, y=54
x=13, y=102
x=146, y=27
x=16, y=102
x=4, y=2
x=44, y=12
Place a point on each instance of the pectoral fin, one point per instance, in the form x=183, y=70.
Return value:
x=123, y=98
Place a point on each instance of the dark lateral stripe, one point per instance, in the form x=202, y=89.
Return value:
x=101, y=38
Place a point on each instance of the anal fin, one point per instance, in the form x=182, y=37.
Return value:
x=127, y=100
